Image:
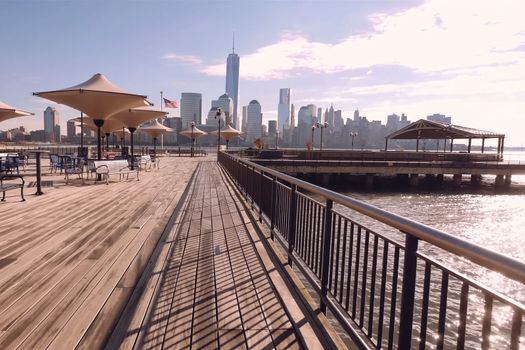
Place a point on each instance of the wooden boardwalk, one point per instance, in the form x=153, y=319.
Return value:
x=210, y=288
x=76, y=272
x=70, y=258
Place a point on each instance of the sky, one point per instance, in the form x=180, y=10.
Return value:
x=465, y=59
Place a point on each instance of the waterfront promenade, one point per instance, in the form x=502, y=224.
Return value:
x=71, y=265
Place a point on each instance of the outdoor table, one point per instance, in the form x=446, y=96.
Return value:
x=38, y=171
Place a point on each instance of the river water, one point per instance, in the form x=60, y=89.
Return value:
x=494, y=219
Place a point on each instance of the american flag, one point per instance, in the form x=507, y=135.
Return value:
x=170, y=104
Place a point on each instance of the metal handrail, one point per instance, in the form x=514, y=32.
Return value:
x=510, y=267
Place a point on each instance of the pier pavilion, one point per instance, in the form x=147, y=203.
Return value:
x=431, y=130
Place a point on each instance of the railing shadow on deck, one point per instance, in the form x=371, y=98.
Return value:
x=384, y=292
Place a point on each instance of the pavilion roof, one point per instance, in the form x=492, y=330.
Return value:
x=427, y=129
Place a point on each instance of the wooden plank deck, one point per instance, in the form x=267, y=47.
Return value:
x=170, y=261
x=209, y=287
x=69, y=259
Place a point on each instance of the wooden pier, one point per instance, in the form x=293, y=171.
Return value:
x=170, y=261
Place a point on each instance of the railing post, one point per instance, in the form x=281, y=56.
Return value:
x=260, y=200
x=325, y=258
x=272, y=210
x=291, y=227
x=407, y=293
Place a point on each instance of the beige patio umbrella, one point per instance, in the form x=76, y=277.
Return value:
x=8, y=112
x=193, y=132
x=227, y=133
x=98, y=98
x=155, y=129
x=134, y=117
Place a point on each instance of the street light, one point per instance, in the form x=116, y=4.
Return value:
x=218, y=117
x=353, y=134
x=322, y=126
x=192, y=138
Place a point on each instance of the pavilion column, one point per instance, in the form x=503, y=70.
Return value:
x=469, y=144
x=499, y=146
x=502, y=145
x=386, y=144
x=417, y=145
x=483, y=145
x=444, y=145
x=451, y=145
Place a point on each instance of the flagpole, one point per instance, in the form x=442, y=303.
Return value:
x=161, y=136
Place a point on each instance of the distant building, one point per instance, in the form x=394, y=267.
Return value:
x=307, y=115
x=283, y=109
x=174, y=123
x=225, y=103
x=232, y=83
x=292, y=116
x=71, y=129
x=244, y=118
x=190, y=108
x=38, y=135
x=52, y=125
x=392, y=121
x=356, y=115
x=254, y=121
x=210, y=119
x=440, y=118
x=272, y=127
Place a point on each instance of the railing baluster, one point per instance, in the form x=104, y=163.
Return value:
x=372, y=288
x=272, y=208
x=350, y=254
x=516, y=330
x=407, y=292
x=332, y=249
x=442, y=311
x=343, y=260
x=259, y=194
x=393, y=300
x=291, y=227
x=364, y=279
x=356, y=272
x=424, y=306
x=337, y=253
x=463, y=305
x=382, y=295
x=326, y=252
x=487, y=320
x=318, y=239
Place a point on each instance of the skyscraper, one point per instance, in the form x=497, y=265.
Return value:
x=254, y=121
x=190, y=108
x=52, y=124
x=283, y=111
x=232, y=82
x=71, y=129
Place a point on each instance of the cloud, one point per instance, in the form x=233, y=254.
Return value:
x=436, y=36
x=188, y=59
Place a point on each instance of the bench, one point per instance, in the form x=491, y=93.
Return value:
x=113, y=167
x=143, y=161
x=7, y=186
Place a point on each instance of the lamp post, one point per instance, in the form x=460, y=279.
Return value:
x=322, y=126
x=218, y=117
x=192, y=138
x=353, y=134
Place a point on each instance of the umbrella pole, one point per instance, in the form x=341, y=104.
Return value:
x=99, y=123
x=154, y=147
x=227, y=143
x=82, y=132
x=132, y=131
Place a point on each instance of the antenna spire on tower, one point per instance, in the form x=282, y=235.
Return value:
x=233, y=44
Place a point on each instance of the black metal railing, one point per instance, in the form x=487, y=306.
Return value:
x=381, y=289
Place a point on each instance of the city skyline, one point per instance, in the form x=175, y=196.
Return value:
x=415, y=57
